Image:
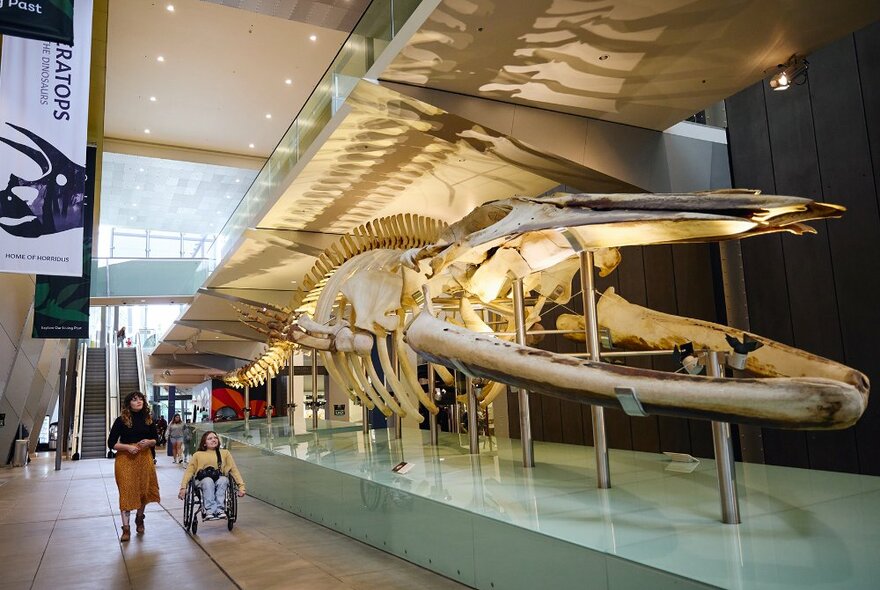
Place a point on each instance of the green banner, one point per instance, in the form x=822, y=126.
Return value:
x=44, y=20
x=61, y=304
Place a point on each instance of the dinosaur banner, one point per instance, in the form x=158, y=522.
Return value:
x=61, y=304
x=46, y=20
x=44, y=99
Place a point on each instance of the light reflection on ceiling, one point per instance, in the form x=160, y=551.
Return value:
x=648, y=64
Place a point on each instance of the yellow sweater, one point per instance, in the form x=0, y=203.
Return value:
x=202, y=459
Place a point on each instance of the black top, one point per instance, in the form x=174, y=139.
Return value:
x=139, y=430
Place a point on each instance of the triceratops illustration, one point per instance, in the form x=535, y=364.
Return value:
x=50, y=204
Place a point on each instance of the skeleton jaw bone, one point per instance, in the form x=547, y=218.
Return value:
x=795, y=403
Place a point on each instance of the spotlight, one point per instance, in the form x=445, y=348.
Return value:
x=794, y=71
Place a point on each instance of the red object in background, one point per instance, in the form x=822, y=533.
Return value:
x=225, y=397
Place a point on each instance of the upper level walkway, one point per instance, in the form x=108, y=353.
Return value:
x=60, y=529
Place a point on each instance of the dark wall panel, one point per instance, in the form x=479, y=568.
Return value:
x=867, y=42
x=817, y=292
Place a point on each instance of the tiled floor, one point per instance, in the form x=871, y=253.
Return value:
x=60, y=529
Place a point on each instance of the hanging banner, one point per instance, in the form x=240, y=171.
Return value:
x=61, y=304
x=44, y=103
x=45, y=20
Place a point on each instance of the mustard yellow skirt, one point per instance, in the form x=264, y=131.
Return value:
x=136, y=479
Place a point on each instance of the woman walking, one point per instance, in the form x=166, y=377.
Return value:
x=132, y=436
x=175, y=438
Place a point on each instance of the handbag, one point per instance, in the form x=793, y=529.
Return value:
x=211, y=472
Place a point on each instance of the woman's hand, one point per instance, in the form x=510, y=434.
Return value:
x=240, y=493
x=182, y=493
x=144, y=442
x=133, y=449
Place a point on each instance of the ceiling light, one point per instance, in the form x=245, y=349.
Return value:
x=794, y=71
x=288, y=81
x=250, y=145
x=228, y=196
x=160, y=59
x=152, y=99
x=143, y=300
x=268, y=115
x=140, y=170
x=170, y=8
x=147, y=131
x=137, y=187
x=313, y=37
x=238, y=180
x=131, y=218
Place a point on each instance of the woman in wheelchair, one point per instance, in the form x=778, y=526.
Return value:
x=212, y=467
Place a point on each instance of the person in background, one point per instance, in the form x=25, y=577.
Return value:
x=131, y=435
x=161, y=425
x=175, y=438
x=210, y=455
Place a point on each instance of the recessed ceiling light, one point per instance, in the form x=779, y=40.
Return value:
x=143, y=300
x=152, y=99
x=250, y=145
x=140, y=170
x=228, y=196
x=131, y=218
x=268, y=115
x=238, y=180
x=147, y=131
x=160, y=58
x=170, y=8
x=313, y=37
x=288, y=81
x=138, y=187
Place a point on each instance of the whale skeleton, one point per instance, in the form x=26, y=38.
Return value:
x=363, y=290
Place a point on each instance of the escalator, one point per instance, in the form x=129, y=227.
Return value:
x=129, y=377
x=94, y=405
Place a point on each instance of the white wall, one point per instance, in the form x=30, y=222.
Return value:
x=28, y=366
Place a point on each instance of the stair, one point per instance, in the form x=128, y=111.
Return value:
x=94, y=408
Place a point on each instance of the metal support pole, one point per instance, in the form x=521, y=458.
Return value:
x=591, y=326
x=314, y=390
x=365, y=413
x=247, y=408
x=724, y=463
x=432, y=417
x=473, y=428
x=269, y=406
x=398, y=420
x=525, y=421
x=291, y=407
x=59, y=448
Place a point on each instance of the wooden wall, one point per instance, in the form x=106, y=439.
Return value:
x=819, y=293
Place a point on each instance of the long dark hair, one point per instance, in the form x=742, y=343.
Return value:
x=203, y=445
x=126, y=408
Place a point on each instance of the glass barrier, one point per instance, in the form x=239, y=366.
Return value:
x=370, y=37
x=147, y=277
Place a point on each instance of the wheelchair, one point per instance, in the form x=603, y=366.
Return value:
x=192, y=505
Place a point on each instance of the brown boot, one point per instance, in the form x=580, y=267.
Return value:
x=139, y=523
x=126, y=534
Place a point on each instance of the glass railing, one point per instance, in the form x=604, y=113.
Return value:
x=147, y=277
x=370, y=37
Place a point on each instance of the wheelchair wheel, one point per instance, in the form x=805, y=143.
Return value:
x=231, y=504
x=190, y=516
